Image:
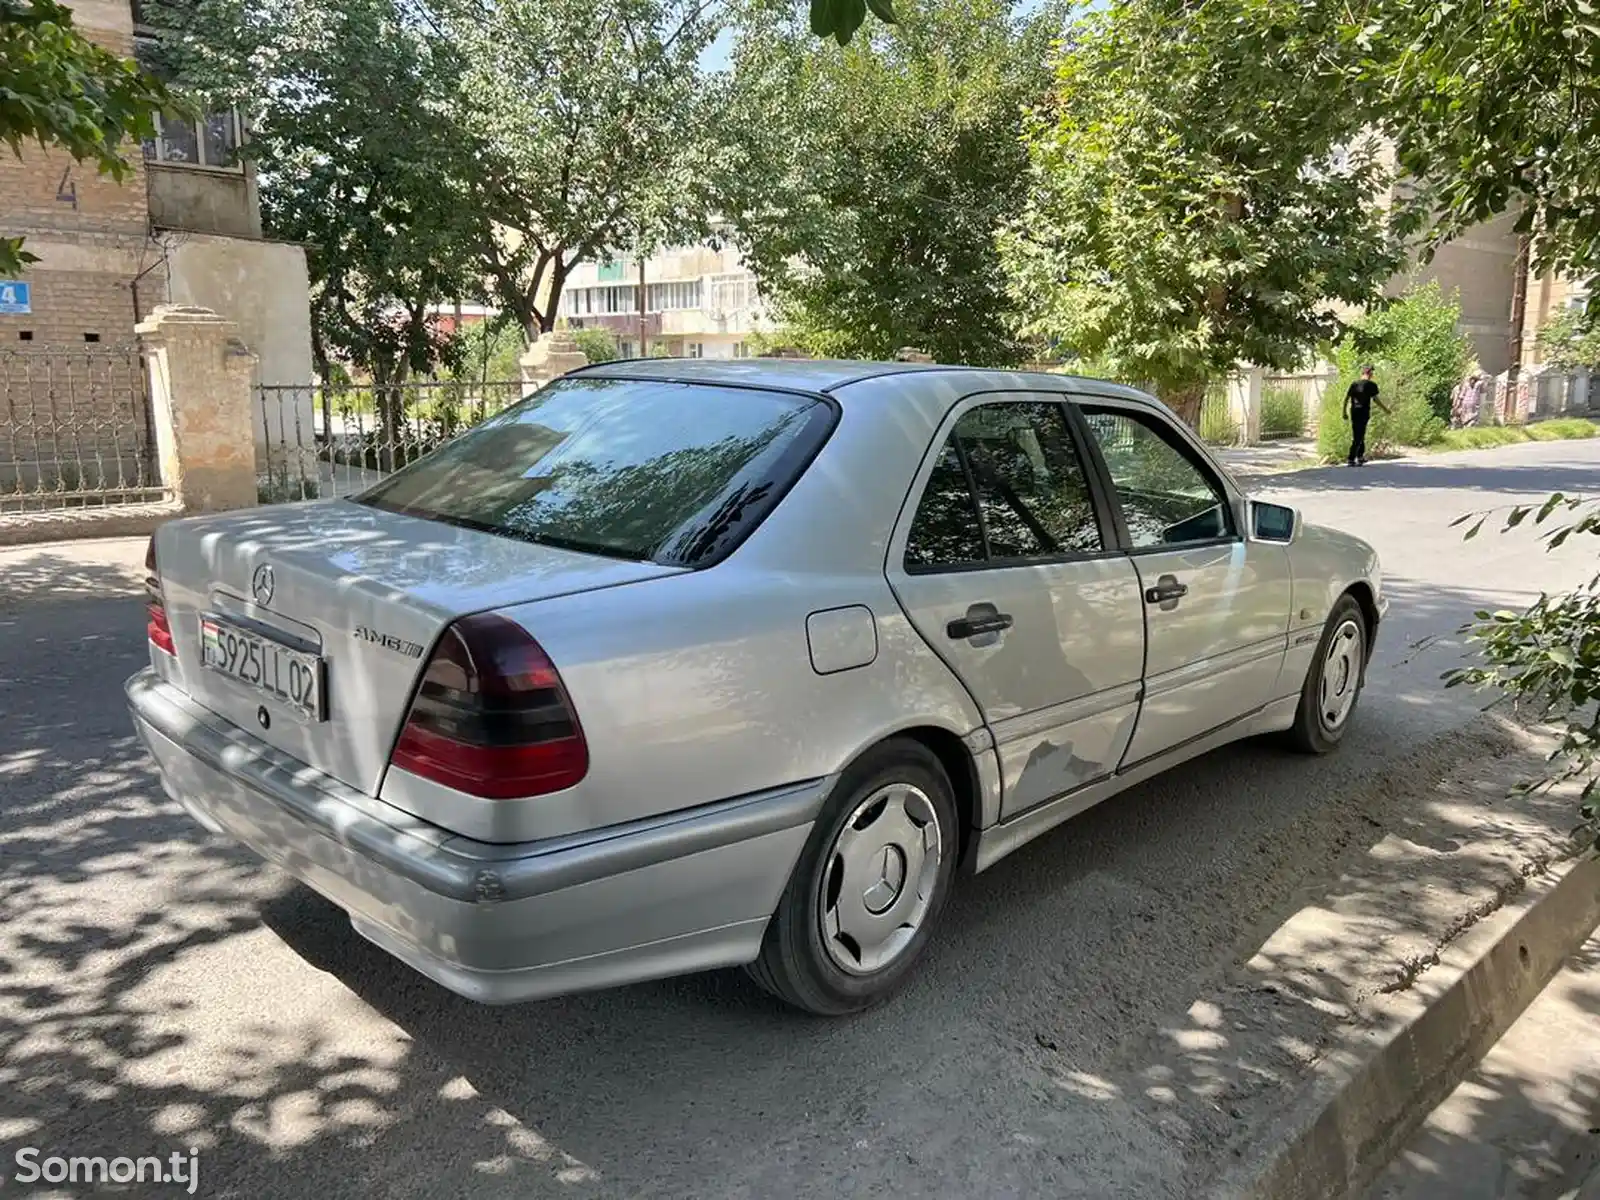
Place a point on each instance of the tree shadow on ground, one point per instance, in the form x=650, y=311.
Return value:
x=1498, y=477
x=143, y=1008
x=1524, y=1125
x=143, y=1004
x=1047, y=973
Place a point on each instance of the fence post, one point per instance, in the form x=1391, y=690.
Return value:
x=1244, y=403
x=200, y=376
x=551, y=357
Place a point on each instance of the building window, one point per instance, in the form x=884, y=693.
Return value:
x=210, y=141
x=677, y=296
x=696, y=350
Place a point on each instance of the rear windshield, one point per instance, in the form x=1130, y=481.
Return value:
x=639, y=469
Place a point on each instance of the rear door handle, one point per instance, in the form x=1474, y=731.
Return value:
x=977, y=626
x=1167, y=590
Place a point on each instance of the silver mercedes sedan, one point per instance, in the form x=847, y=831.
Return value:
x=682, y=665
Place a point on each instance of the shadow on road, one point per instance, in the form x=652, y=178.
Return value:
x=1533, y=479
x=143, y=1006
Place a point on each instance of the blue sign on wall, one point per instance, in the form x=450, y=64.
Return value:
x=16, y=297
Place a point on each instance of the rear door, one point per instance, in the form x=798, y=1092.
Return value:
x=1004, y=563
x=1216, y=606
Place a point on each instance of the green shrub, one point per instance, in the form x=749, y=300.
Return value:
x=1412, y=421
x=1217, y=426
x=282, y=486
x=599, y=345
x=1283, y=412
x=1419, y=334
x=1483, y=437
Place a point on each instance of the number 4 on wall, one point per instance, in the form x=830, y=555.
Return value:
x=67, y=189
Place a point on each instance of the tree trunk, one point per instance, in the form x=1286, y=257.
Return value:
x=1185, y=401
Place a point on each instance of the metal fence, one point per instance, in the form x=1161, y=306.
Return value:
x=316, y=441
x=75, y=430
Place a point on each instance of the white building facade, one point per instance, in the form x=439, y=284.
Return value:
x=699, y=303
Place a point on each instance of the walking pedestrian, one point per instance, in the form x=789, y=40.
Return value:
x=1468, y=401
x=1358, y=402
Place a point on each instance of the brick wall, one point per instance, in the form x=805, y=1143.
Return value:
x=90, y=232
x=73, y=409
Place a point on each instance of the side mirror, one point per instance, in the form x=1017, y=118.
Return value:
x=1273, y=522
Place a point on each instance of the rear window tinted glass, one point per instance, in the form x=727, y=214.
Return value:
x=641, y=469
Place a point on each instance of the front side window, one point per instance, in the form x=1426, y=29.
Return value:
x=636, y=469
x=1167, y=498
x=1008, y=487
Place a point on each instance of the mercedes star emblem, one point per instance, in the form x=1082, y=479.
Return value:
x=261, y=585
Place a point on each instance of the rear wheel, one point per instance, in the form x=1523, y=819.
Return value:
x=869, y=885
x=1334, y=682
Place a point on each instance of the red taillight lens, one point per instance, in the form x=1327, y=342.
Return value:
x=156, y=629
x=491, y=716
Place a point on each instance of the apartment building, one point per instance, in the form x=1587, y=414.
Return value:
x=700, y=302
x=183, y=228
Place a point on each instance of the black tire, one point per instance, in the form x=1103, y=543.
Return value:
x=1313, y=732
x=798, y=959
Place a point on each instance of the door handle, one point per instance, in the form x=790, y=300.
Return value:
x=1167, y=590
x=978, y=625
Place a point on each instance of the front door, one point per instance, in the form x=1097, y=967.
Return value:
x=1002, y=566
x=1216, y=607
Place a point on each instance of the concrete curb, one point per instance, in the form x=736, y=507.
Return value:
x=75, y=524
x=1378, y=1085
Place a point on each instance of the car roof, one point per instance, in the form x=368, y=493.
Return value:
x=837, y=375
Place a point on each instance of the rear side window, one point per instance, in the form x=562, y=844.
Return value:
x=637, y=469
x=1008, y=487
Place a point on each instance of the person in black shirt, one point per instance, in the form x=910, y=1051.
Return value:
x=1358, y=402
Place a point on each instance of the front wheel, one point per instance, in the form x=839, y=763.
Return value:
x=869, y=886
x=1334, y=682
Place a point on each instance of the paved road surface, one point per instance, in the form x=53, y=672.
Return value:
x=159, y=990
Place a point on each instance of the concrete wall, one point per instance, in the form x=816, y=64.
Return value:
x=205, y=201
x=1480, y=266
x=263, y=288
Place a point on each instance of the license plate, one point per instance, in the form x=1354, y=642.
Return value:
x=289, y=676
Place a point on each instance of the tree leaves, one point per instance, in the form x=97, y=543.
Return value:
x=839, y=19
x=1197, y=201
x=1547, y=658
x=894, y=166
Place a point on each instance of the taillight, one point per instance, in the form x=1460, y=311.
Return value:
x=156, y=629
x=491, y=716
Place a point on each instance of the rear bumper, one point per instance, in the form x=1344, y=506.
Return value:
x=495, y=923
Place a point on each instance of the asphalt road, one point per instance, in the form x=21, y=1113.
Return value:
x=159, y=990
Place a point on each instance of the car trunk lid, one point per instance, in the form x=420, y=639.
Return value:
x=365, y=590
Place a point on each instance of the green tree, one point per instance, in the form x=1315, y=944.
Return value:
x=594, y=128
x=431, y=152
x=339, y=100
x=62, y=91
x=1571, y=339
x=897, y=161
x=1494, y=107
x=1197, y=197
